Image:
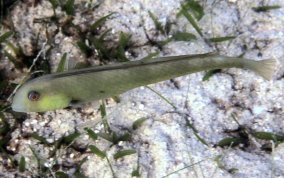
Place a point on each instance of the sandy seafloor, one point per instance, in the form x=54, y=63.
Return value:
x=164, y=143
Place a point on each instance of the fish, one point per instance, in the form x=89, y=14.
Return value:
x=63, y=89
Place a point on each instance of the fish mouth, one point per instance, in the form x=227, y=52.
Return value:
x=17, y=108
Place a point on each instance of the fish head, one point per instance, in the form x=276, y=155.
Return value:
x=38, y=96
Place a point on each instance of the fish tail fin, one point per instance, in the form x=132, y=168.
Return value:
x=264, y=68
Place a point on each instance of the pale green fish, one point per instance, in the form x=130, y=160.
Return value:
x=59, y=90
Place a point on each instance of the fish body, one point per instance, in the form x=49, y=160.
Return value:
x=59, y=90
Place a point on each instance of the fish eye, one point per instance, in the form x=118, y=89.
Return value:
x=33, y=96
